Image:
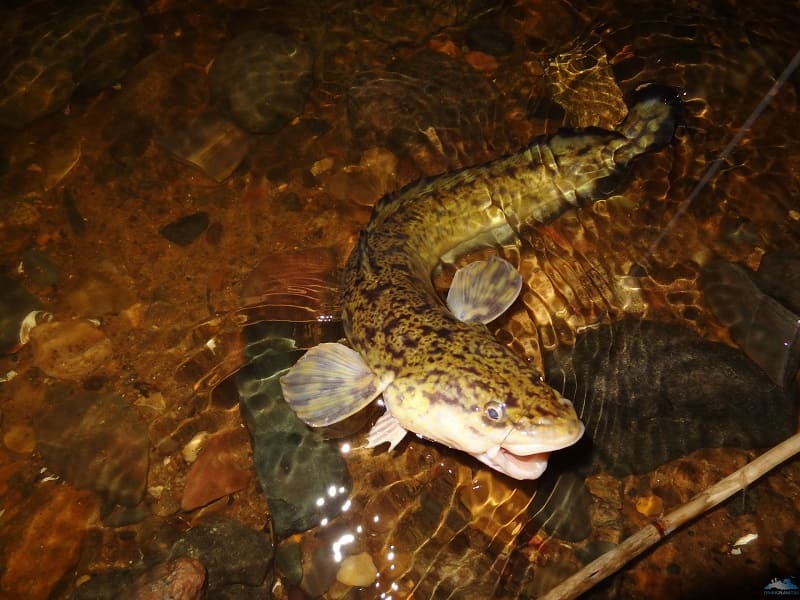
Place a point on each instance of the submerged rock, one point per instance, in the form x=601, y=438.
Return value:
x=231, y=552
x=104, y=288
x=218, y=471
x=185, y=230
x=20, y=439
x=48, y=541
x=71, y=349
x=261, y=79
x=39, y=267
x=304, y=477
x=651, y=392
x=95, y=441
x=52, y=49
x=779, y=276
x=209, y=142
x=765, y=330
x=15, y=304
x=488, y=37
x=183, y=578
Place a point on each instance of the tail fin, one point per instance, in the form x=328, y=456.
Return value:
x=651, y=121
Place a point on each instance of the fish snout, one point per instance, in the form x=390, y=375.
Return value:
x=545, y=432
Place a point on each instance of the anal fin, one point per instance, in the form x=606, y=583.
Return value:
x=386, y=429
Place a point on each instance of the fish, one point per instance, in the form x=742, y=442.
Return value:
x=434, y=364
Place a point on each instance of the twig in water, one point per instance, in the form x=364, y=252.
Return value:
x=613, y=560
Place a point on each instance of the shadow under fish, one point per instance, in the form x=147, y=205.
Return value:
x=649, y=393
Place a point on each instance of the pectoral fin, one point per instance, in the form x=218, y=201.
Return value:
x=386, y=429
x=483, y=290
x=329, y=383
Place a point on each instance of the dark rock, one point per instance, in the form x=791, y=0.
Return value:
x=52, y=49
x=186, y=229
x=779, y=276
x=109, y=584
x=95, y=441
x=231, y=552
x=261, y=79
x=291, y=201
x=15, y=304
x=489, y=38
x=74, y=217
x=791, y=543
x=38, y=266
x=288, y=562
x=296, y=467
x=765, y=330
x=651, y=392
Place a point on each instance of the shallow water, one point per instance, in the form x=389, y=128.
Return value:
x=183, y=243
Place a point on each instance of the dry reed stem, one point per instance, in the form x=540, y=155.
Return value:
x=613, y=560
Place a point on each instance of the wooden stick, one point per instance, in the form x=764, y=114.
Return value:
x=613, y=560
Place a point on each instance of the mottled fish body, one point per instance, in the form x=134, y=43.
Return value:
x=440, y=372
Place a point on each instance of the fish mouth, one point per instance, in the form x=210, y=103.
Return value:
x=525, y=461
x=518, y=466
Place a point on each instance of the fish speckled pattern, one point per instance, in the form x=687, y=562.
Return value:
x=446, y=379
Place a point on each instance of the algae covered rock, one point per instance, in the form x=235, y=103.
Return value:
x=261, y=79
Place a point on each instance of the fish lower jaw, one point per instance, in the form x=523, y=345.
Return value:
x=525, y=460
x=518, y=466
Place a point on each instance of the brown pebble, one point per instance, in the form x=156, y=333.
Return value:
x=70, y=349
x=20, y=439
x=180, y=579
x=650, y=506
x=357, y=570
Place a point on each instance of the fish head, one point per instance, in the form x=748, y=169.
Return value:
x=532, y=426
x=508, y=419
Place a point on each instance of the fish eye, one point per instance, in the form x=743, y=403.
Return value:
x=495, y=411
